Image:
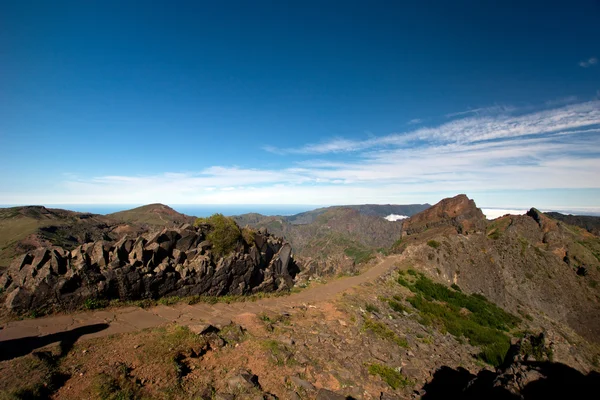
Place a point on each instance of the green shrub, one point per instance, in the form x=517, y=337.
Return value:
x=396, y=306
x=371, y=308
x=495, y=235
x=95, y=304
x=389, y=375
x=484, y=325
x=359, y=256
x=455, y=287
x=380, y=329
x=433, y=243
x=224, y=233
x=248, y=234
x=168, y=301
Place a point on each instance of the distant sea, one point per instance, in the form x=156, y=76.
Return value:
x=203, y=210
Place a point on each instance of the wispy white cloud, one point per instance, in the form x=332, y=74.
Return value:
x=415, y=121
x=552, y=148
x=589, y=62
x=470, y=129
x=482, y=111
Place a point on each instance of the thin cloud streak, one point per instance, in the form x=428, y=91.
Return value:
x=556, y=148
x=471, y=129
x=588, y=63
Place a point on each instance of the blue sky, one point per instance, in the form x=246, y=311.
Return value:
x=300, y=102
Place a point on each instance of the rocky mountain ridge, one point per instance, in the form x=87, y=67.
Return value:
x=530, y=264
x=172, y=262
x=336, y=240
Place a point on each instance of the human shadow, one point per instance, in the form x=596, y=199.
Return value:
x=554, y=381
x=19, y=347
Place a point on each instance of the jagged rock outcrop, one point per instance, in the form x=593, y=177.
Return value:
x=527, y=373
x=458, y=213
x=172, y=262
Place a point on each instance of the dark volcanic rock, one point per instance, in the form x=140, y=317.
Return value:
x=527, y=373
x=173, y=262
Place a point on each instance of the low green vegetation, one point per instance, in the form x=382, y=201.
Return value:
x=433, y=244
x=469, y=316
x=360, y=256
x=95, y=304
x=593, y=245
x=371, y=308
x=224, y=233
x=389, y=375
x=380, y=329
x=34, y=376
x=248, y=234
x=495, y=234
x=536, y=346
x=117, y=385
x=396, y=305
x=280, y=353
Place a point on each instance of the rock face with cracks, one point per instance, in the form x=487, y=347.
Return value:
x=172, y=262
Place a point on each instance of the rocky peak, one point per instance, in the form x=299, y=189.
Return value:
x=546, y=224
x=458, y=213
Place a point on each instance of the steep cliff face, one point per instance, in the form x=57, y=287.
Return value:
x=172, y=262
x=457, y=214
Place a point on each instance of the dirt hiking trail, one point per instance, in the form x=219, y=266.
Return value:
x=40, y=332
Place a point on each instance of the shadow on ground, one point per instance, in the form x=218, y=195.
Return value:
x=554, y=381
x=23, y=346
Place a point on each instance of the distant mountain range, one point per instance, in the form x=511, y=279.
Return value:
x=26, y=228
x=589, y=223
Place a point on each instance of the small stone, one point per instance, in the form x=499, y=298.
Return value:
x=302, y=383
x=203, y=329
x=243, y=380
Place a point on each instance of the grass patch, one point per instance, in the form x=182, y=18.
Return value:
x=380, y=329
x=280, y=353
x=95, y=304
x=360, y=256
x=389, y=375
x=371, y=308
x=495, y=235
x=469, y=316
x=167, y=344
x=116, y=385
x=433, y=244
x=34, y=376
x=168, y=301
x=396, y=305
